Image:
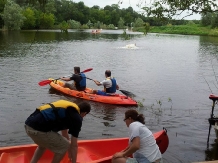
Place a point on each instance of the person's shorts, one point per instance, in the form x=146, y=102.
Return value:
x=145, y=160
x=102, y=93
x=131, y=160
x=70, y=86
x=49, y=140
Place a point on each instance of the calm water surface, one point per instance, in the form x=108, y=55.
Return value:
x=171, y=75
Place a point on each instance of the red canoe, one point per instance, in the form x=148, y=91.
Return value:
x=117, y=99
x=89, y=151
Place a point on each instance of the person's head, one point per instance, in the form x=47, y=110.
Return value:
x=132, y=116
x=76, y=70
x=108, y=73
x=84, y=108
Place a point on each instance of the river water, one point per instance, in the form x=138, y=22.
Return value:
x=172, y=77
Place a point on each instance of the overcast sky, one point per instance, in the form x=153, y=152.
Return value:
x=125, y=4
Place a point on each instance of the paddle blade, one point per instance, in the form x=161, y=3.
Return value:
x=44, y=82
x=87, y=70
x=127, y=93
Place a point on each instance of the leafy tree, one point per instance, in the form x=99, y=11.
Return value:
x=98, y=25
x=114, y=17
x=46, y=20
x=30, y=20
x=115, y=6
x=50, y=7
x=111, y=26
x=64, y=10
x=64, y=26
x=121, y=23
x=74, y=24
x=127, y=16
x=139, y=22
x=147, y=28
x=82, y=13
x=2, y=5
x=38, y=17
x=104, y=16
x=12, y=16
x=130, y=9
x=109, y=8
x=214, y=22
x=206, y=19
x=96, y=7
x=89, y=24
x=169, y=8
x=84, y=26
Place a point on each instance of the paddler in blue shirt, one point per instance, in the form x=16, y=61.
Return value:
x=78, y=78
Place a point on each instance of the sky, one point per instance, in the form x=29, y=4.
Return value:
x=126, y=4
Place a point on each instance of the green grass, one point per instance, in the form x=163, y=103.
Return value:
x=183, y=29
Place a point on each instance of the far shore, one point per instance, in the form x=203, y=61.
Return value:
x=193, y=29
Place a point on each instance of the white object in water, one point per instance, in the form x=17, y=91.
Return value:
x=131, y=46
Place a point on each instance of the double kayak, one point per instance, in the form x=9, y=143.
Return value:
x=117, y=99
x=89, y=151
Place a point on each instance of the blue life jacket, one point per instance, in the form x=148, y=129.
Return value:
x=113, y=88
x=82, y=83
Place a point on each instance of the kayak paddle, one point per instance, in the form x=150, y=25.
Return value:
x=45, y=82
x=127, y=93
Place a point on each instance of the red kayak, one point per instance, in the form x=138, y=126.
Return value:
x=89, y=151
x=116, y=99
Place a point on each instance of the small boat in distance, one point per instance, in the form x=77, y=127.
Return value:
x=89, y=151
x=96, y=31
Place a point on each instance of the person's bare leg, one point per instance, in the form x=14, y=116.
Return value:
x=37, y=154
x=119, y=160
x=70, y=86
x=57, y=157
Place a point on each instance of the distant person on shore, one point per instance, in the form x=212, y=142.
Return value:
x=78, y=78
x=142, y=144
x=110, y=85
x=43, y=125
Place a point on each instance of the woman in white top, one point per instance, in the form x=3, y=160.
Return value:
x=142, y=144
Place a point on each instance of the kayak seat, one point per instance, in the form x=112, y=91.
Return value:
x=18, y=157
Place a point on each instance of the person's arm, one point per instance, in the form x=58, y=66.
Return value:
x=125, y=149
x=65, y=79
x=65, y=134
x=135, y=145
x=72, y=151
x=117, y=87
x=97, y=83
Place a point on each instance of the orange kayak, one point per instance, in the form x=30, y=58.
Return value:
x=89, y=151
x=117, y=99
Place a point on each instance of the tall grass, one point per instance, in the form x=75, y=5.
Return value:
x=190, y=29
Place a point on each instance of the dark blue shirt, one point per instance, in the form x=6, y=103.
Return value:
x=72, y=121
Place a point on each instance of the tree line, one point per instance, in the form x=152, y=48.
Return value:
x=47, y=14
x=63, y=14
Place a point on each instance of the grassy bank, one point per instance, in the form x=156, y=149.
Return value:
x=183, y=29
